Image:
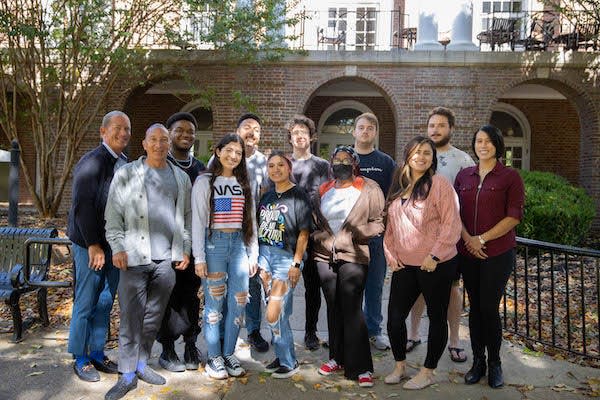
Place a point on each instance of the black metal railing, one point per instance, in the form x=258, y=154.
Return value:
x=553, y=297
x=538, y=30
x=340, y=28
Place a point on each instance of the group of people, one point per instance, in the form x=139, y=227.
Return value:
x=248, y=226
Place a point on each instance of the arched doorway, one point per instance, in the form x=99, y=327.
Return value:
x=541, y=127
x=335, y=105
x=336, y=123
x=517, y=133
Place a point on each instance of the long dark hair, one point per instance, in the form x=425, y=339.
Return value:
x=241, y=174
x=402, y=181
x=495, y=136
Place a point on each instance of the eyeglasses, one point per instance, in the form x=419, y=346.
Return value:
x=345, y=161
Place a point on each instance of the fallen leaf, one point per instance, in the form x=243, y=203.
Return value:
x=393, y=395
x=297, y=378
x=243, y=380
x=261, y=379
x=301, y=387
x=36, y=373
x=32, y=365
x=317, y=386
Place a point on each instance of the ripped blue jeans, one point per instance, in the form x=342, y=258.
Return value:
x=277, y=262
x=227, y=281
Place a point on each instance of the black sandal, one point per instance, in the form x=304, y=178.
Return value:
x=411, y=344
x=457, y=358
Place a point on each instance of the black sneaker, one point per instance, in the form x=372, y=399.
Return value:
x=273, y=366
x=215, y=368
x=311, y=341
x=191, y=356
x=256, y=340
x=121, y=388
x=233, y=367
x=168, y=359
x=87, y=372
x=284, y=372
x=151, y=376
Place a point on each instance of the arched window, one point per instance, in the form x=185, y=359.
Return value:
x=335, y=125
x=203, y=144
x=516, y=131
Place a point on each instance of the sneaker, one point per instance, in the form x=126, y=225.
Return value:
x=233, y=367
x=215, y=368
x=365, y=379
x=256, y=340
x=191, y=356
x=273, y=366
x=380, y=342
x=168, y=359
x=284, y=372
x=330, y=367
x=311, y=341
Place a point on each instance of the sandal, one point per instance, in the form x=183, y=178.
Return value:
x=411, y=344
x=457, y=358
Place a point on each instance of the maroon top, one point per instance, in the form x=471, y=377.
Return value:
x=502, y=194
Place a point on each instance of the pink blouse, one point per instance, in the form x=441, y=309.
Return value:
x=430, y=226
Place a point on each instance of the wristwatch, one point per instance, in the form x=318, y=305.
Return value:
x=434, y=258
x=296, y=265
x=481, y=240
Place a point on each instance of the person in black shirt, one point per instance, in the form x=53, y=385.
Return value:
x=182, y=313
x=376, y=165
x=284, y=219
x=309, y=172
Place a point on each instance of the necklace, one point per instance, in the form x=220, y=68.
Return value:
x=279, y=194
x=182, y=164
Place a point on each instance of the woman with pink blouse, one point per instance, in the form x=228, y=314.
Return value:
x=423, y=227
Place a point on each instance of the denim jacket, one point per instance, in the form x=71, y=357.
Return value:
x=126, y=214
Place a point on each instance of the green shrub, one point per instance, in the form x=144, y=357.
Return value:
x=555, y=211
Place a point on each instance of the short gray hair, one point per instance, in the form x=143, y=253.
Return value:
x=108, y=117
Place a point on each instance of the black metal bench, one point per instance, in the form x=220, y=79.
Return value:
x=501, y=31
x=25, y=258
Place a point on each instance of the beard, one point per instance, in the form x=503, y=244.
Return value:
x=444, y=141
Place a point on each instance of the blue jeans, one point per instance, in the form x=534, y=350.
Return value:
x=277, y=262
x=94, y=297
x=253, y=307
x=225, y=253
x=374, y=286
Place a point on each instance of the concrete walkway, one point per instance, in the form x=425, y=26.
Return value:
x=40, y=368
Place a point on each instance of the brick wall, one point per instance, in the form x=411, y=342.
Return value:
x=555, y=136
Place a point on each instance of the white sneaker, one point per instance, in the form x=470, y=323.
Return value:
x=215, y=368
x=380, y=342
x=233, y=367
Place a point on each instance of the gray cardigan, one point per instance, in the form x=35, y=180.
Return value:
x=126, y=215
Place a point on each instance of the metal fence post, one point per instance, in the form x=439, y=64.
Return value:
x=13, y=184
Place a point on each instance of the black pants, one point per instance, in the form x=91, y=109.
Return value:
x=312, y=292
x=343, y=286
x=485, y=281
x=407, y=284
x=183, y=311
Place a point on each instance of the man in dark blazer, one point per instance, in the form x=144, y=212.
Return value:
x=95, y=276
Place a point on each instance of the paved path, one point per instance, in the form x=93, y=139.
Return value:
x=40, y=368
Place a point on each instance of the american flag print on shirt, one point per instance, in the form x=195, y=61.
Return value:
x=229, y=210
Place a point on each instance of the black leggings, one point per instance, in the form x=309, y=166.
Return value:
x=343, y=286
x=312, y=292
x=485, y=281
x=407, y=284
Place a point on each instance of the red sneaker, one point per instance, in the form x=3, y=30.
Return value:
x=365, y=380
x=330, y=367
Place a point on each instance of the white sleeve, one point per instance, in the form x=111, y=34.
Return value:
x=200, y=216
